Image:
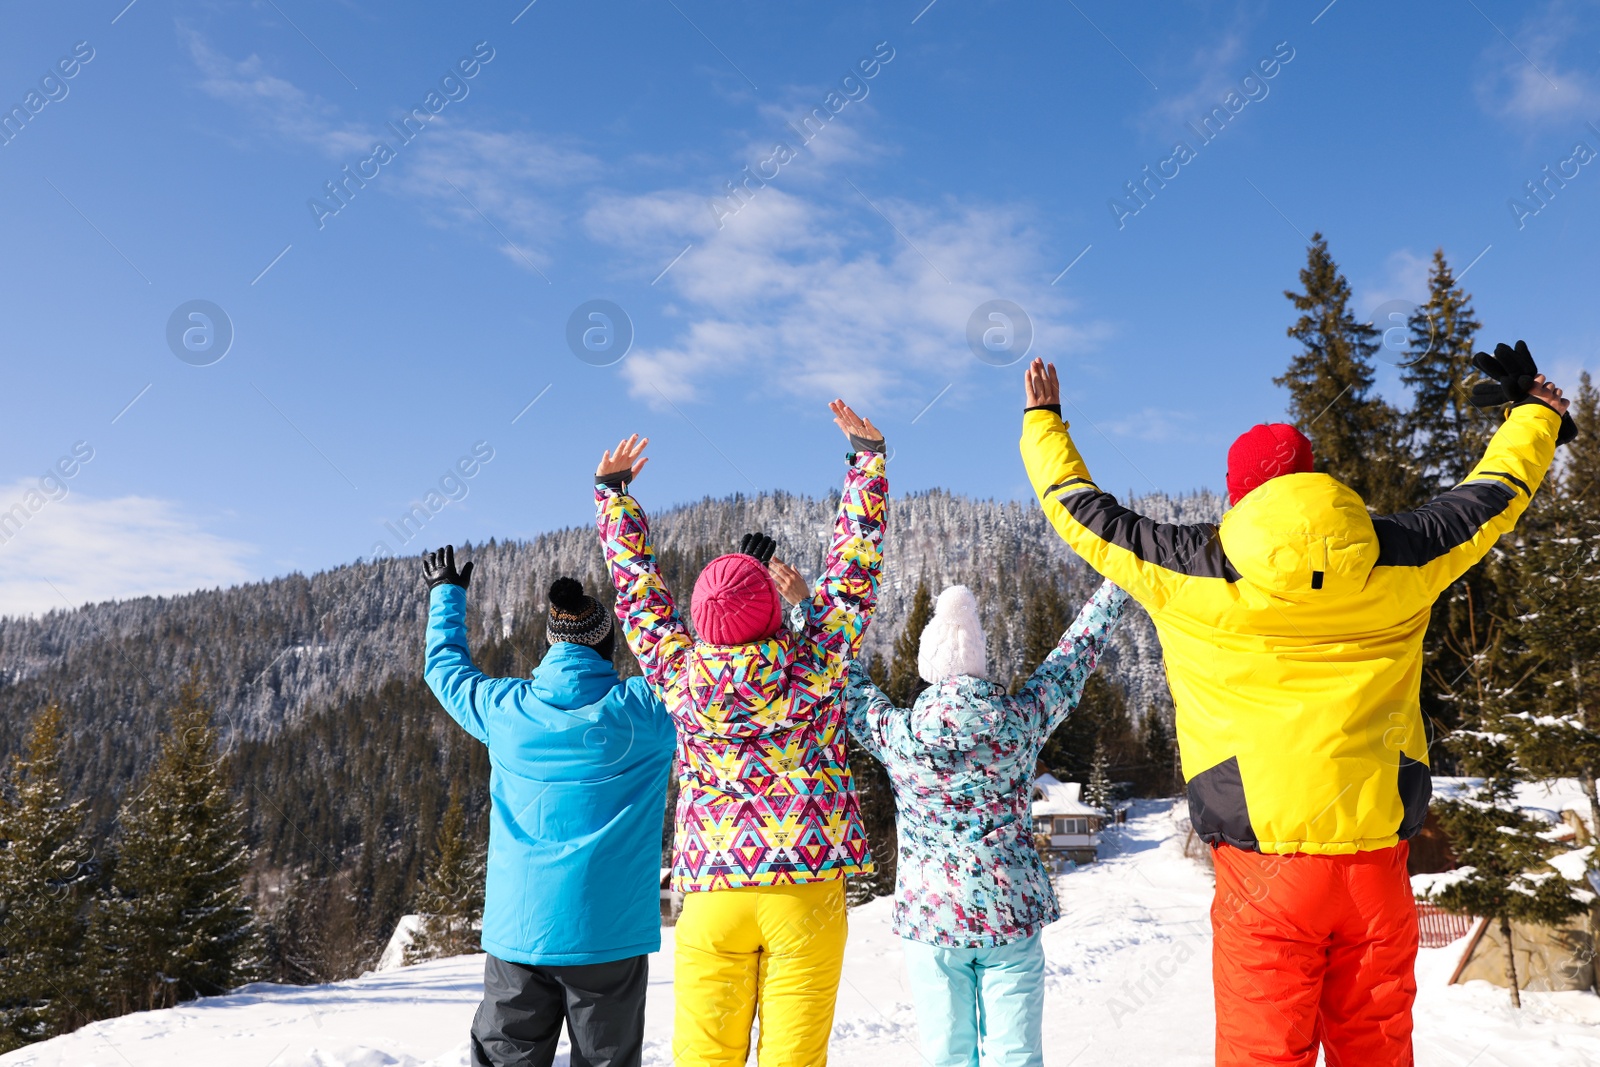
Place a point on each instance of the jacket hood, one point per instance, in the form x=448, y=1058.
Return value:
x=742, y=690
x=1300, y=536
x=958, y=714
x=573, y=676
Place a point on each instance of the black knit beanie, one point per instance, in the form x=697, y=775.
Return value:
x=578, y=618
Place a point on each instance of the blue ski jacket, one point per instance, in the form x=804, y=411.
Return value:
x=578, y=790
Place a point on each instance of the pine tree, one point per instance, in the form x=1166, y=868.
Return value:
x=903, y=676
x=1159, y=778
x=1044, y=617
x=1099, y=722
x=1354, y=433
x=175, y=923
x=1559, y=615
x=451, y=899
x=1446, y=434
x=46, y=872
x=1097, y=793
x=1503, y=876
x=878, y=810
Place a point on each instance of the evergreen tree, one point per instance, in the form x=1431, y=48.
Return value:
x=451, y=899
x=878, y=810
x=1099, y=722
x=175, y=923
x=46, y=872
x=1503, y=876
x=1353, y=432
x=1559, y=616
x=1159, y=777
x=1097, y=793
x=903, y=676
x=1044, y=617
x=1446, y=434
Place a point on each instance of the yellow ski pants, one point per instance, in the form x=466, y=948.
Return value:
x=777, y=949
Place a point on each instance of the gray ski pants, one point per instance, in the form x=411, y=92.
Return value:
x=519, y=1022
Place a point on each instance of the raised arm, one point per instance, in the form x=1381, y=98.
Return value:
x=464, y=691
x=649, y=618
x=1054, y=689
x=847, y=590
x=1147, y=558
x=1445, y=537
x=871, y=718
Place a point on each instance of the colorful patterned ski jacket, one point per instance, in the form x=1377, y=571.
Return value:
x=962, y=760
x=764, y=789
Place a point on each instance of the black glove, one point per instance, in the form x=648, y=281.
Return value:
x=758, y=545
x=861, y=444
x=439, y=568
x=1511, y=373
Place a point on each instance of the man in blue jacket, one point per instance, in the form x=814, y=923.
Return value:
x=578, y=781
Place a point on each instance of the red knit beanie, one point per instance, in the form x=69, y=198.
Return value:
x=735, y=601
x=1262, y=453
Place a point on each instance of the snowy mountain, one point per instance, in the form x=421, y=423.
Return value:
x=268, y=651
x=1129, y=973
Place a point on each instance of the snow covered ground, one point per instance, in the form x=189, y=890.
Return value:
x=1129, y=984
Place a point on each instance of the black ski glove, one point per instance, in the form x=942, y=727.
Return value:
x=1511, y=373
x=439, y=568
x=758, y=545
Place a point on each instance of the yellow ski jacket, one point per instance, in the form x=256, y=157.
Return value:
x=1292, y=632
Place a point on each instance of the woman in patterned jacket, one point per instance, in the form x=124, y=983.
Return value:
x=971, y=894
x=768, y=822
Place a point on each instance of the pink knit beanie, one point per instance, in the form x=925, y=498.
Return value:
x=735, y=601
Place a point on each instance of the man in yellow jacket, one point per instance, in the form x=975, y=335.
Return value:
x=1292, y=634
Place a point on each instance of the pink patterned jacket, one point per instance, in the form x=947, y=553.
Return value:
x=765, y=795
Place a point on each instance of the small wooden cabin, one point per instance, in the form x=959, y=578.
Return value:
x=1065, y=829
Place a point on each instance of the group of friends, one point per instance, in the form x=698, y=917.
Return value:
x=1292, y=634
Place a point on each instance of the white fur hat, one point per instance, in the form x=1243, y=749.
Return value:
x=952, y=642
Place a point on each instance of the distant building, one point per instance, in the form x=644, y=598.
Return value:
x=1065, y=829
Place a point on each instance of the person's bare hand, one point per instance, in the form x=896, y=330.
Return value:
x=791, y=586
x=1041, y=384
x=627, y=458
x=854, y=426
x=1543, y=390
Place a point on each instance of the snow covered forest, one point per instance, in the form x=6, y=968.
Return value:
x=268, y=653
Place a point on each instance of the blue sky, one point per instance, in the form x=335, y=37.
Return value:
x=580, y=152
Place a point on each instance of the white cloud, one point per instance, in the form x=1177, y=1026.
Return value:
x=1404, y=277
x=1528, y=82
x=456, y=170
x=1153, y=425
x=508, y=176
x=822, y=294
x=277, y=103
x=63, y=553
x=1219, y=66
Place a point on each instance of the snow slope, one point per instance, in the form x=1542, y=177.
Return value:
x=1129, y=984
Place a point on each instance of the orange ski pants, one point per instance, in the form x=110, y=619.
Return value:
x=1314, y=950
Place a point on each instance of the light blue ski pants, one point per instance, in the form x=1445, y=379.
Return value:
x=979, y=1007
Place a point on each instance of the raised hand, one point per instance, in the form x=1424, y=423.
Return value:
x=439, y=568
x=791, y=586
x=622, y=464
x=758, y=545
x=1041, y=385
x=1514, y=378
x=864, y=437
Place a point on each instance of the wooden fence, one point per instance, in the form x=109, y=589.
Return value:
x=1438, y=927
